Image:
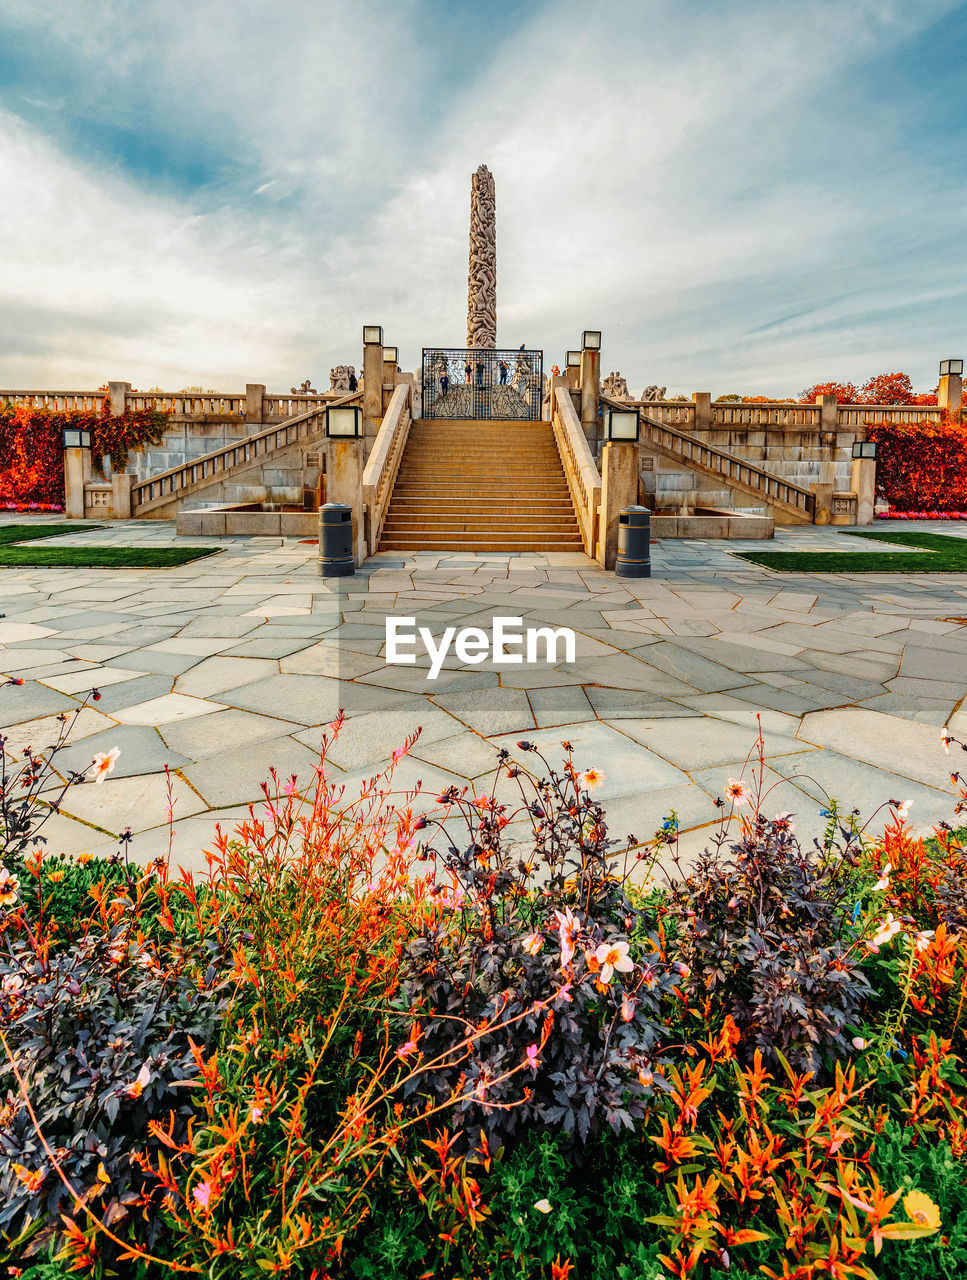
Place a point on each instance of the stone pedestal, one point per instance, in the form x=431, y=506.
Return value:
x=590, y=382
x=619, y=488
x=121, y=485
x=372, y=391
x=77, y=472
x=950, y=395
x=702, y=400
x=344, y=483
x=862, y=481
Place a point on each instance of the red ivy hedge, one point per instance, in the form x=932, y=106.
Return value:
x=921, y=466
x=31, y=457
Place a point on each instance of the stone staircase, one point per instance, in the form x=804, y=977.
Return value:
x=480, y=486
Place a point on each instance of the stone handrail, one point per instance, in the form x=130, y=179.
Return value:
x=163, y=487
x=852, y=416
x=580, y=469
x=59, y=401
x=291, y=405
x=189, y=404
x=677, y=413
x=746, y=475
x=789, y=414
x=379, y=475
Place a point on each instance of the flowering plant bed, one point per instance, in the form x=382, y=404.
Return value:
x=471, y=1035
x=921, y=515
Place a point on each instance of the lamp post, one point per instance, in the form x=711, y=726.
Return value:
x=76, y=442
x=951, y=389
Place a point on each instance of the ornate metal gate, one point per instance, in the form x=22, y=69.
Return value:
x=482, y=383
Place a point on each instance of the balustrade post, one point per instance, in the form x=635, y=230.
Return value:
x=255, y=403
x=121, y=484
x=77, y=473
x=344, y=483
x=118, y=394
x=702, y=400
x=590, y=395
x=372, y=382
x=950, y=395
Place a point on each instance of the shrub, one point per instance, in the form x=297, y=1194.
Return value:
x=547, y=953
x=921, y=466
x=764, y=933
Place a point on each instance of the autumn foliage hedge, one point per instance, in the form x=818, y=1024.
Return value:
x=922, y=466
x=31, y=457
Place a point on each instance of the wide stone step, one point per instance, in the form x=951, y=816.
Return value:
x=467, y=542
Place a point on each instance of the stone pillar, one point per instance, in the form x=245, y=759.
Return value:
x=702, y=400
x=254, y=402
x=619, y=488
x=482, y=275
x=572, y=377
x=590, y=382
x=118, y=392
x=372, y=391
x=121, y=484
x=77, y=472
x=828, y=414
x=862, y=481
x=344, y=483
x=950, y=395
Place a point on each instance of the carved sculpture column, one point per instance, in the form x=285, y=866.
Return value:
x=482, y=308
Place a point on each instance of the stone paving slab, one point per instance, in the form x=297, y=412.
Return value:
x=227, y=666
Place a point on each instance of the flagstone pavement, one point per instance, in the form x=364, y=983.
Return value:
x=237, y=663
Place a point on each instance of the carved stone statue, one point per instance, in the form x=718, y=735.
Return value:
x=616, y=387
x=482, y=278
x=339, y=377
x=306, y=389
x=654, y=393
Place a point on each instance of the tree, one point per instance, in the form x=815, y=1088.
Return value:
x=887, y=388
x=845, y=392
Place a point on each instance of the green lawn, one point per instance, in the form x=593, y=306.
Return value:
x=29, y=532
x=102, y=557
x=935, y=554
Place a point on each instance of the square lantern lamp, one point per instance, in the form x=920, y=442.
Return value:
x=591, y=339
x=572, y=360
x=344, y=422
x=391, y=355
x=76, y=438
x=621, y=424
x=864, y=449
x=373, y=333
x=951, y=366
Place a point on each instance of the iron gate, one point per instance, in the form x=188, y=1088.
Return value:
x=482, y=383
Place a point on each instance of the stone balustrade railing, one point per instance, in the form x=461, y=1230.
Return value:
x=580, y=468
x=789, y=415
x=60, y=401
x=379, y=475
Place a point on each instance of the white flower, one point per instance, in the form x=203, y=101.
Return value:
x=543, y=1206
x=613, y=957
x=860, y=1043
x=889, y=928
x=884, y=880
x=104, y=763
x=945, y=739
x=903, y=809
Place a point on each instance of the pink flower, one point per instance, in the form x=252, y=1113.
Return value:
x=104, y=763
x=255, y=1115
x=627, y=1007
x=782, y=822
x=533, y=1057
x=737, y=792
x=406, y=1050
x=202, y=1194
x=860, y=1043
x=568, y=928
x=532, y=943
x=613, y=957
x=591, y=778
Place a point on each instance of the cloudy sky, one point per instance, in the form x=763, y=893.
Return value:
x=744, y=195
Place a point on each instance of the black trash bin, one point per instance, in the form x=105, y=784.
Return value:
x=336, y=559
x=634, y=543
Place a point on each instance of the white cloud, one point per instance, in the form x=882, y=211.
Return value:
x=704, y=182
